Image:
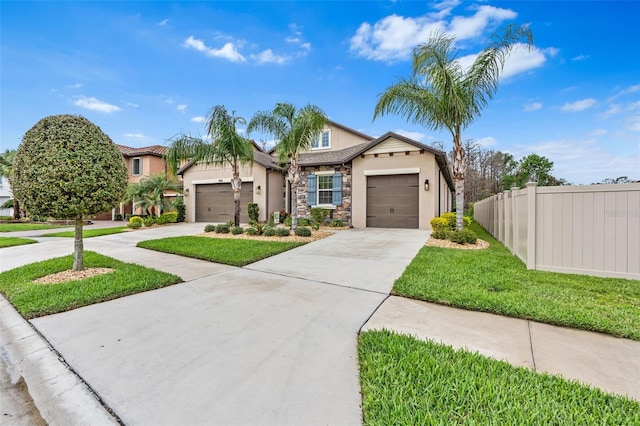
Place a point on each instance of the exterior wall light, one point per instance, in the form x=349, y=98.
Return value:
x=426, y=184
x=258, y=190
x=186, y=192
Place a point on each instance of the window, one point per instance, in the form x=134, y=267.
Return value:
x=136, y=166
x=322, y=140
x=324, y=189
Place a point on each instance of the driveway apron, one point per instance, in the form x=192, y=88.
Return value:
x=271, y=343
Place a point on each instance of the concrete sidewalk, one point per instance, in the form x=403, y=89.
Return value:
x=273, y=343
x=607, y=362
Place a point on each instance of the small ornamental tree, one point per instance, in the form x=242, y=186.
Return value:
x=67, y=168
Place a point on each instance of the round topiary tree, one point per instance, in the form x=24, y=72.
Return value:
x=67, y=168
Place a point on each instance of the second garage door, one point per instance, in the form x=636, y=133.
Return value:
x=214, y=202
x=392, y=201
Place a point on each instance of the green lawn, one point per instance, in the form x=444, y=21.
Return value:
x=15, y=241
x=34, y=300
x=88, y=233
x=219, y=250
x=493, y=280
x=14, y=227
x=410, y=382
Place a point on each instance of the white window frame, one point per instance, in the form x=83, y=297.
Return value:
x=139, y=166
x=318, y=174
x=320, y=138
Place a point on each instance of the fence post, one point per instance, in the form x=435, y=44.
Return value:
x=531, y=224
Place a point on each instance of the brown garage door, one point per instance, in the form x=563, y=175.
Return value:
x=392, y=201
x=214, y=202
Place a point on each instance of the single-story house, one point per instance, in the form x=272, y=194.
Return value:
x=387, y=182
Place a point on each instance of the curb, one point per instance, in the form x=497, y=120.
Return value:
x=59, y=394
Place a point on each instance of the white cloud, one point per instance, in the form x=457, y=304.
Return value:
x=580, y=58
x=466, y=27
x=486, y=141
x=533, y=106
x=134, y=135
x=416, y=136
x=181, y=107
x=598, y=132
x=163, y=22
x=130, y=104
x=393, y=37
x=228, y=51
x=613, y=109
x=520, y=60
x=634, y=123
x=198, y=119
x=74, y=86
x=630, y=89
x=580, y=105
x=95, y=105
x=268, y=57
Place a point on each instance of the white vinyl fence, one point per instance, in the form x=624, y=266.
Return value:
x=592, y=229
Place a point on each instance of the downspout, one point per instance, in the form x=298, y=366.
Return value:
x=439, y=190
x=266, y=195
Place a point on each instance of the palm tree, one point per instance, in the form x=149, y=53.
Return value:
x=6, y=167
x=148, y=194
x=228, y=148
x=294, y=130
x=441, y=94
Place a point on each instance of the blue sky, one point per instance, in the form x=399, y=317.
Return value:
x=145, y=71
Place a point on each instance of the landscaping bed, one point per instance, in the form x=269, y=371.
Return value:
x=315, y=235
x=33, y=299
x=406, y=381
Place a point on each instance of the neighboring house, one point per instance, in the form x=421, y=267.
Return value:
x=5, y=195
x=140, y=162
x=387, y=182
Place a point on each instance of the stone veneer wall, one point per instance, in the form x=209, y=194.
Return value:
x=343, y=211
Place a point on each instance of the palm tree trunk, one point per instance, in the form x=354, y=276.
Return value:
x=236, y=185
x=294, y=178
x=459, y=168
x=78, y=258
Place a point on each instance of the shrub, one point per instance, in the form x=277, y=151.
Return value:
x=269, y=232
x=135, y=222
x=315, y=225
x=169, y=217
x=463, y=236
x=128, y=216
x=440, y=234
x=237, y=230
x=282, y=232
x=287, y=221
x=209, y=228
x=451, y=220
x=319, y=214
x=260, y=227
x=253, y=211
x=181, y=208
x=150, y=220
x=283, y=215
x=117, y=216
x=440, y=224
x=251, y=231
x=303, y=221
x=303, y=232
x=336, y=223
x=223, y=228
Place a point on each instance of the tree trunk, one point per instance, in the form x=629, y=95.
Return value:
x=459, y=168
x=294, y=178
x=236, y=185
x=16, y=208
x=78, y=259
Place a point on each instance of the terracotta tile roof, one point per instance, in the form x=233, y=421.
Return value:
x=156, y=150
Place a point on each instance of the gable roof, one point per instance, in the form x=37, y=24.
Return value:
x=155, y=150
x=259, y=156
x=329, y=157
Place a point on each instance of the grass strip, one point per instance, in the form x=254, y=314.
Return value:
x=493, y=280
x=34, y=300
x=88, y=233
x=15, y=241
x=220, y=250
x=14, y=227
x=410, y=382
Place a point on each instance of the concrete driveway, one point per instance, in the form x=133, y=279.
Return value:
x=272, y=343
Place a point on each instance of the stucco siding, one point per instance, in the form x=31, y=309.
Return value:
x=203, y=174
x=398, y=163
